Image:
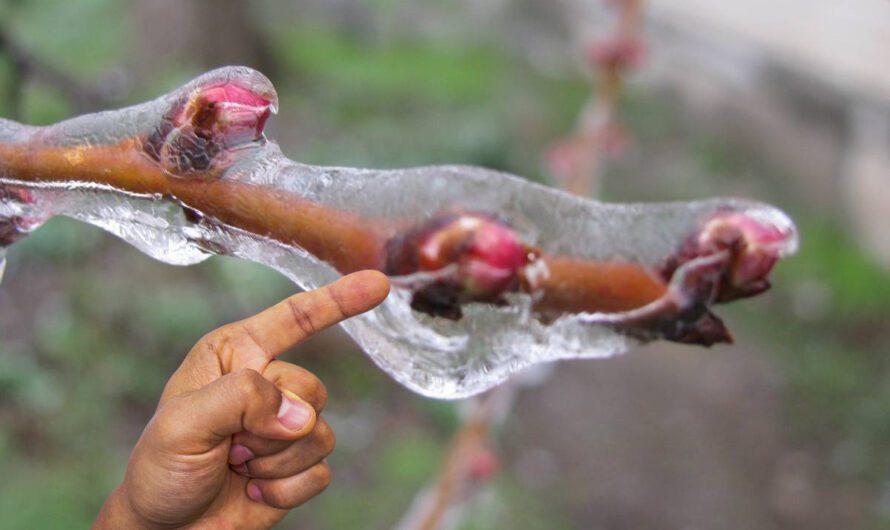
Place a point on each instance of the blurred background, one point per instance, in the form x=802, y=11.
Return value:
x=786, y=101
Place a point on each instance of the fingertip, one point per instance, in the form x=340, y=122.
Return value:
x=241, y=469
x=238, y=454
x=366, y=288
x=376, y=279
x=254, y=492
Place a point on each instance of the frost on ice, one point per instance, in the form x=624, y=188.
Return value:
x=490, y=273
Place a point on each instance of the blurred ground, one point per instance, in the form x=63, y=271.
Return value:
x=789, y=429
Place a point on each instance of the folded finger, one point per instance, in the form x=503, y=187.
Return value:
x=300, y=381
x=241, y=401
x=291, y=460
x=290, y=492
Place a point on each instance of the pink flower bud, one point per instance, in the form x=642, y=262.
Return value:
x=750, y=247
x=473, y=257
x=237, y=114
x=492, y=261
x=615, y=54
x=755, y=247
x=16, y=227
x=210, y=120
x=483, y=464
x=487, y=252
x=19, y=195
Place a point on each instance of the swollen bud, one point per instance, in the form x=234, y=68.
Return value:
x=616, y=54
x=752, y=247
x=23, y=221
x=755, y=247
x=233, y=114
x=208, y=121
x=465, y=257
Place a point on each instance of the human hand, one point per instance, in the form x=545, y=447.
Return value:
x=237, y=439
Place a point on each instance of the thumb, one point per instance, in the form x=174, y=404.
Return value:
x=197, y=421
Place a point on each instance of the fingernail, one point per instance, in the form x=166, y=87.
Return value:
x=253, y=491
x=242, y=469
x=238, y=454
x=294, y=412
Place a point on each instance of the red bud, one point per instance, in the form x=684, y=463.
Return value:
x=234, y=114
x=479, y=256
x=756, y=247
x=616, y=54
x=210, y=120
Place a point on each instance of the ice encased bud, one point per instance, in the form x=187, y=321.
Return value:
x=208, y=120
x=616, y=53
x=755, y=246
x=463, y=257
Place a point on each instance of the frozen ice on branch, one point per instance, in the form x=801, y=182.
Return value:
x=491, y=273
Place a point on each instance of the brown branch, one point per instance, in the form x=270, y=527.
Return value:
x=346, y=241
x=468, y=462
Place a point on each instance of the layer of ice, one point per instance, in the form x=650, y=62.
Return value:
x=431, y=355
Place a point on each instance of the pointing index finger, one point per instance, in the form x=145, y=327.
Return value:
x=295, y=319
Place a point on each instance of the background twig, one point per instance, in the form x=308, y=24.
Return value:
x=27, y=66
x=577, y=163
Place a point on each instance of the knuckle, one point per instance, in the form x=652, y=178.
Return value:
x=337, y=299
x=257, y=467
x=289, y=493
x=302, y=318
x=327, y=440
x=220, y=342
x=321, y=394
x=320, y=476
x=247, y=382
x=274, y=496
x=165, y=423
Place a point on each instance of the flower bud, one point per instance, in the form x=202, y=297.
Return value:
x=474, y=257
x=755, y=247
x=210, y=120
x=616, y=54
x=234, y=114
x=483, y=463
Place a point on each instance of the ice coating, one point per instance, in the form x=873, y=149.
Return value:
x=190, y=175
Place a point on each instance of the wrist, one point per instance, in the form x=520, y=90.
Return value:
x=118, y=512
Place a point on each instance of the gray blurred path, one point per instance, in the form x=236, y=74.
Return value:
x=674, y=438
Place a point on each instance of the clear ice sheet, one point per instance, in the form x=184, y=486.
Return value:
x=432, y=356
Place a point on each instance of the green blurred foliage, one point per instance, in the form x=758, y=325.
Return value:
x=858, y=286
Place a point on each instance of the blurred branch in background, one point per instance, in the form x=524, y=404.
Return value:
x=228, y=35
x=577, y=163
x=470, y=462
x=26, y=67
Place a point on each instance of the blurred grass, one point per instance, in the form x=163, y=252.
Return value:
x=391, y=75
x=858, y=286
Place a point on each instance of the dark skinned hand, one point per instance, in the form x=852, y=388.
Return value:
x=237, y=439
